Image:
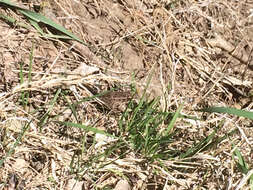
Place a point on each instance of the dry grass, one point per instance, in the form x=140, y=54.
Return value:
x=199, y=53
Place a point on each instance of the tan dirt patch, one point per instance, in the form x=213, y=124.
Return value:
x=199, y=54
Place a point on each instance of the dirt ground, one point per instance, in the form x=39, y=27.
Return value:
x=198, y=52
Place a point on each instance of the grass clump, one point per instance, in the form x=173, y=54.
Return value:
x=143, y=130
x=75, y=134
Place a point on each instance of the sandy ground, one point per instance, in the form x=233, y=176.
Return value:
x=198, y=52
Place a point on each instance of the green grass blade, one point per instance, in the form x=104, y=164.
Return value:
x=42, y=19
x=37, y=27
x=45, y=117
x=21, y=74
x=149, y=135
x=13, y=21
x=30, y=64
x=173, y=121
x=233, y=111
x=220, y=139
x=241, y=162
x=200, y=146
x=251, y=182
x=25, y=95
x=72, y=107
x=141, y=102
x=24, y=100
x=24, y=129
x=8, y=3
x=86, y=128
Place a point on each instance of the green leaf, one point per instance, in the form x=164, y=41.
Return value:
x=45, y=117
x=173, y=121
x=233, y=111
x=16, y=143
x=241, y=162
x=198, y=147
x=36, y=17
x=86, y=128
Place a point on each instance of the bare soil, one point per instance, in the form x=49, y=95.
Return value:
x=198, y=52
